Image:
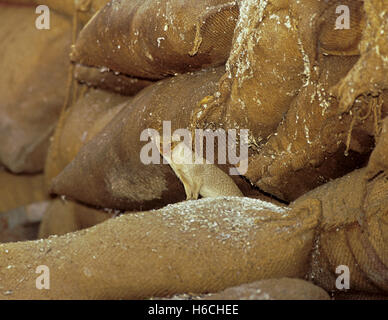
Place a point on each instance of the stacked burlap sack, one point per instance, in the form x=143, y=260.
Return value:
x=34, y=71
x=210, y=244
x=278, y=68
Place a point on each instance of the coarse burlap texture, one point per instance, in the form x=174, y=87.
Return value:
x=352, y=233
x=369, y=74
x=63, y=216
x=79, y=124
x=195, y=246
x=307, y=148
x=34, y=66
x=20, y=190
x=264, y=54
x=109, y=80
x=109, y=172
x=152, y=40
x=273, y=44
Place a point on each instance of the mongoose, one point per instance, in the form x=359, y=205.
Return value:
x=203, y=178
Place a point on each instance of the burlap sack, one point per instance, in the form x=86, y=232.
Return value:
x=63, y=216
x=195, y=246
x=309, y=146
x=34, y=66
x=353, y=233
x=109, y=80
x=369, y=74
x=153, y=40
x=20, y=190
x=274, y=48
x=108, y=171
x=79, y=124
x=306, y=149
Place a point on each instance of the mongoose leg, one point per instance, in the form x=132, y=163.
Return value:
x=188, y=188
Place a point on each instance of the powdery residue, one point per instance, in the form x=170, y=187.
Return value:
x=251, y=14
x=225, y=218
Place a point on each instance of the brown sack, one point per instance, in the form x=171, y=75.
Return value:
x=64, y=216
x=369, y=74
x=353, y=233
x=149, y=39
x=20, y=190
x=108, y=171
x=278, y=122
x=109, y=80
x=265, y=56
x=230, y=240
x=309, y=146
x=79, y=124
x=312, y=135
x=273, y=49
x=34, y=66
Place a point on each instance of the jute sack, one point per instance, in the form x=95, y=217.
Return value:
x=369, y=74
x=109, y=172
x=79, y=124
x=352, y=233
x=313, y=144
x=63, y=216
x=34, y=66
x=274, y=48
x=20, y=190
x=140, y=255
x=109, y=80
x=312, y=134
x=149, y=39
